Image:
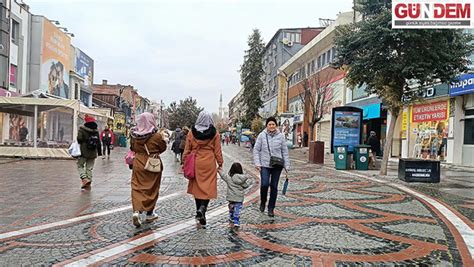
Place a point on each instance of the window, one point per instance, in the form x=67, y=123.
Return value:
x=298, y=38
x=469, y=131
x=13, y=71
x=312, y=66
x=323, y=63
x=329, y=56
x=76, y=90
x=319, y=62
x=15, y=31
x=333, y=52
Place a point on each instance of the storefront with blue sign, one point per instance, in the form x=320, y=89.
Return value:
x=462, y=92
x=374, y=117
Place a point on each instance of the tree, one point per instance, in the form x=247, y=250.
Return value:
x=389, y=60
x=251, y=74
x=183, y=114
x=257, y=125
x=315, y=94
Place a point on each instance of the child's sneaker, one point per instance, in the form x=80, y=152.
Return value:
x=136, y=219
x=237, y=225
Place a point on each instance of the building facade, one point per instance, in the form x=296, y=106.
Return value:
x=310, y=66
x=283, y=45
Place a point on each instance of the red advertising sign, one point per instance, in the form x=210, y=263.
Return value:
x=437, y=111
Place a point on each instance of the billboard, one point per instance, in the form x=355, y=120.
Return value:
x=346, y=127
x=55, y=61
x=84, y=66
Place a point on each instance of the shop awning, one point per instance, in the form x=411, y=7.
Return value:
x=25, y=105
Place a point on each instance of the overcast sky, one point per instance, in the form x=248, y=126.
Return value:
x=171, y=49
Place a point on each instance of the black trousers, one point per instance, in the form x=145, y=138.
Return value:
x=201, y=202
x=105, y=146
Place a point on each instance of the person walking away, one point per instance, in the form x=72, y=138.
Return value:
x=227, y=140
x=223, y=139
x=298, y=139
x=204, y=140
x=89, y=141
x=23, y=133
x=270, y=156
x=236, y=182
x=374, y=144
x=176, y=143
x=146, y=142
x=107, y=139
x=182, y=144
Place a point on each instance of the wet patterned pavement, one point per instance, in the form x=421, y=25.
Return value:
x=327, y=218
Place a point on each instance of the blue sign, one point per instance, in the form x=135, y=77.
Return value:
x=85, y=67
x=463, y=85
x=347, y=126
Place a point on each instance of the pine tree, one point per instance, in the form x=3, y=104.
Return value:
x=389, y=60
x=251, y=74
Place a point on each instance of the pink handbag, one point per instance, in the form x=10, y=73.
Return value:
x=189, y=167
x=129, y=157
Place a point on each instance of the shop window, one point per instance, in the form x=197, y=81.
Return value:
x=13, y=75
x=469, y=131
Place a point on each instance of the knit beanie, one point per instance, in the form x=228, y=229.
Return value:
x=271, y=119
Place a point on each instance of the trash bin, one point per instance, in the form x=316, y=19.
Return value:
x=361, y=157
x=123, y=141
x=340, y=157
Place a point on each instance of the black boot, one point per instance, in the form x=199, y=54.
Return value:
x=270, y=213
x=262, y=207
x=201, y=215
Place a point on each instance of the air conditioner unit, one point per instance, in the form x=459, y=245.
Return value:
x=290, y=43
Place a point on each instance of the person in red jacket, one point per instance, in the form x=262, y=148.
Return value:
x=107, y=138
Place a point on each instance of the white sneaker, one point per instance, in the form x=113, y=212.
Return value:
x=151, y=218
x=136, y=219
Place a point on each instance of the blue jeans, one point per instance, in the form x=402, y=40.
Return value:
x=269, y=178
x=234, y=212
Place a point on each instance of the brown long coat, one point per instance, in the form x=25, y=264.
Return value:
x=208, y=156
x=145, y=184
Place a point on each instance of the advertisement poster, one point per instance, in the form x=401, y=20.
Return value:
x=16, y=123
x=347, y=128
x=429, y=130
x=287, y=128
x=55, y=63
x=85, y=67
x=119, y=123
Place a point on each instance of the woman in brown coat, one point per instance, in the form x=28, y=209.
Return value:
x=206, y=142
x=145, y=184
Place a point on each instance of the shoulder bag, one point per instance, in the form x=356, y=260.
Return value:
x=153, y=163
x=189, y=167
x=275, y=162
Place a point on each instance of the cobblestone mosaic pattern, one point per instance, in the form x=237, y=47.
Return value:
x=327, y=218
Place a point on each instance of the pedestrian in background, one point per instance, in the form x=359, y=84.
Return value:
x=89, y=141
x=177, y=141
x=236, y=182
x=182, y=143
x=374, y=144
x=270, y=156
x=204, y=140
x=305, y=139
x=298, y=139
x=107, y=138
x=146, y=142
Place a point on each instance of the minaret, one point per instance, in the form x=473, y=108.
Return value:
x=221, y=108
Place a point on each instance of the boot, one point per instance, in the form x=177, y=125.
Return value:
x=201, y=215
x=262, y=207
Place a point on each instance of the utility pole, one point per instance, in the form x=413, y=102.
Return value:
x=161, y=113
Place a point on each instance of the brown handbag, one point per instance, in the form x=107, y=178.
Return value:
x=153, y=163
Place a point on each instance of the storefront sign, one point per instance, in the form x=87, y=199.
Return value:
x=463, y=85
x=429, y=92
x=437, y=111
x=346, y=127
x=7, y=93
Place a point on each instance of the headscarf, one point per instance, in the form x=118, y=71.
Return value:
x=203, y=122
x=146, y=124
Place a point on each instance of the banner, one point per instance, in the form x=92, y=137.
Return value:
x=55, y=61
x=84, y=67
x=119, y=123
x=437, y=111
